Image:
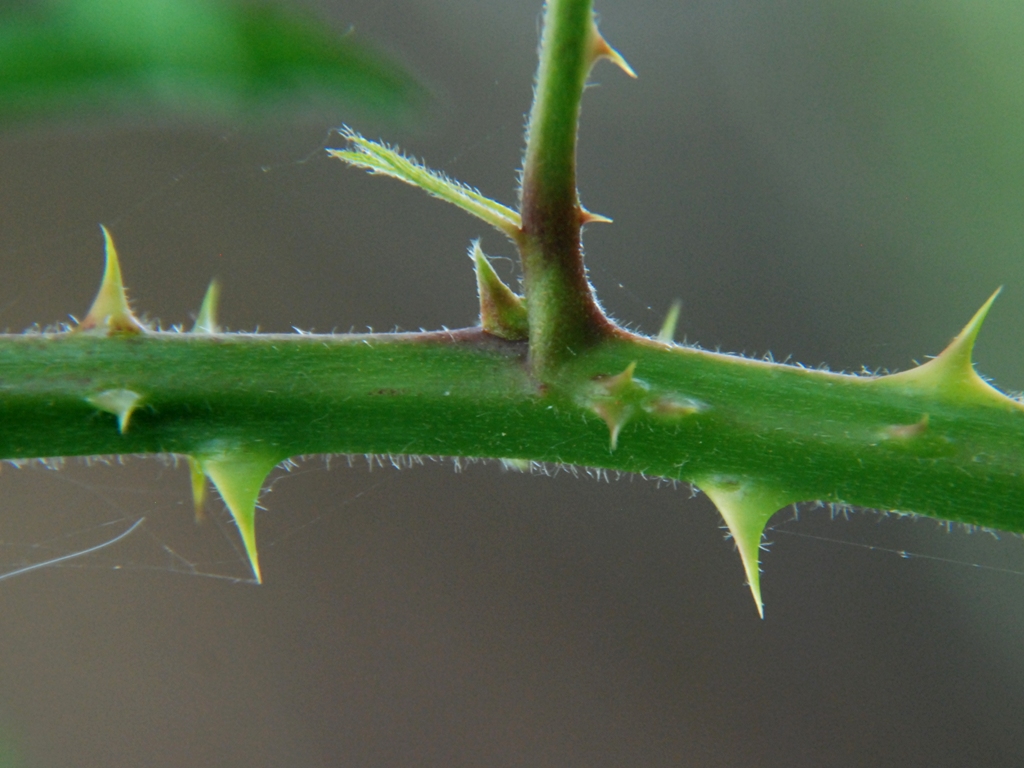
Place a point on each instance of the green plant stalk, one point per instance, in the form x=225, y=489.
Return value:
x=822, y=436
x=563, y=314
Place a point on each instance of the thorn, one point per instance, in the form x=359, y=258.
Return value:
x=615, y=400
x=586, y=217
x=746, y=507
x=668, y=328
x=110, y=312
x=502, y=312
x=206, y=320
x=238, y=477
x=952, y=373
x=195, y=469
x=120, y=402
x=601, y=50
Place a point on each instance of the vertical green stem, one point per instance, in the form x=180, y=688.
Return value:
x=564, y=317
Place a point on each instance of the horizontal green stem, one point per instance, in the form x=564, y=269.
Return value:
x=691, y=415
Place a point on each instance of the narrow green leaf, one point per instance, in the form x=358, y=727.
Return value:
x=380, y=158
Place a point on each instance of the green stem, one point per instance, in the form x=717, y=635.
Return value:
x=564, y=317
x=687, y=415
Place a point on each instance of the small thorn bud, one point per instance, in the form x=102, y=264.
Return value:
x=906, y=431
x=667, y=334
x=746, y=506
x=599, y=49
x=195, y=469
x=502, y=312
x=119, y=402
x=110, y=313
x=615, y=399
x=206, y=320
x=674, y=405
x=238, y=475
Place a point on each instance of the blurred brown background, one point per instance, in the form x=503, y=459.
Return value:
x=838, y=182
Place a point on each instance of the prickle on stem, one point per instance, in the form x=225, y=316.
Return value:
x=119, y=402
x=110, y=313
x=615, y=399
x=206, y=320
x=667, y=334
x=502, y=312
x=589, y=217
x=599, y=49
x=746, y=506
x=238, y=476
x=951, y=375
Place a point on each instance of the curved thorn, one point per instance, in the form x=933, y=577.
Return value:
x=951, y=373
x=238, y=476
x=110, y=312
x=587, y=217
x=746, y=506
x=601, y=50
x=502, y=312
x=119, y=402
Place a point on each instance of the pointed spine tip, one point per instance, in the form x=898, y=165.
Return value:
x=589, y=217
x=962, y=347
x=110, y=313
x=952, y=372
x=206, y=320
x=119, y=402
x=667, y=334
x=599, y=49
x=238, y=475
x=746, y=506
x=502, y=312
x=198, y=478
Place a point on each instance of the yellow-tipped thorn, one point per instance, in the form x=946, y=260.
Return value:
x=120, y=402
x=238, y=476
x=195, y=469
x=589, y=217
x=746, y=507
x=667, y=334
x=952, y=373
x=206, y=320
x=601, y=50
x=502, y=312
x=110, y=312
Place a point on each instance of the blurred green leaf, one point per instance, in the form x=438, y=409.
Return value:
x=205, y=57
